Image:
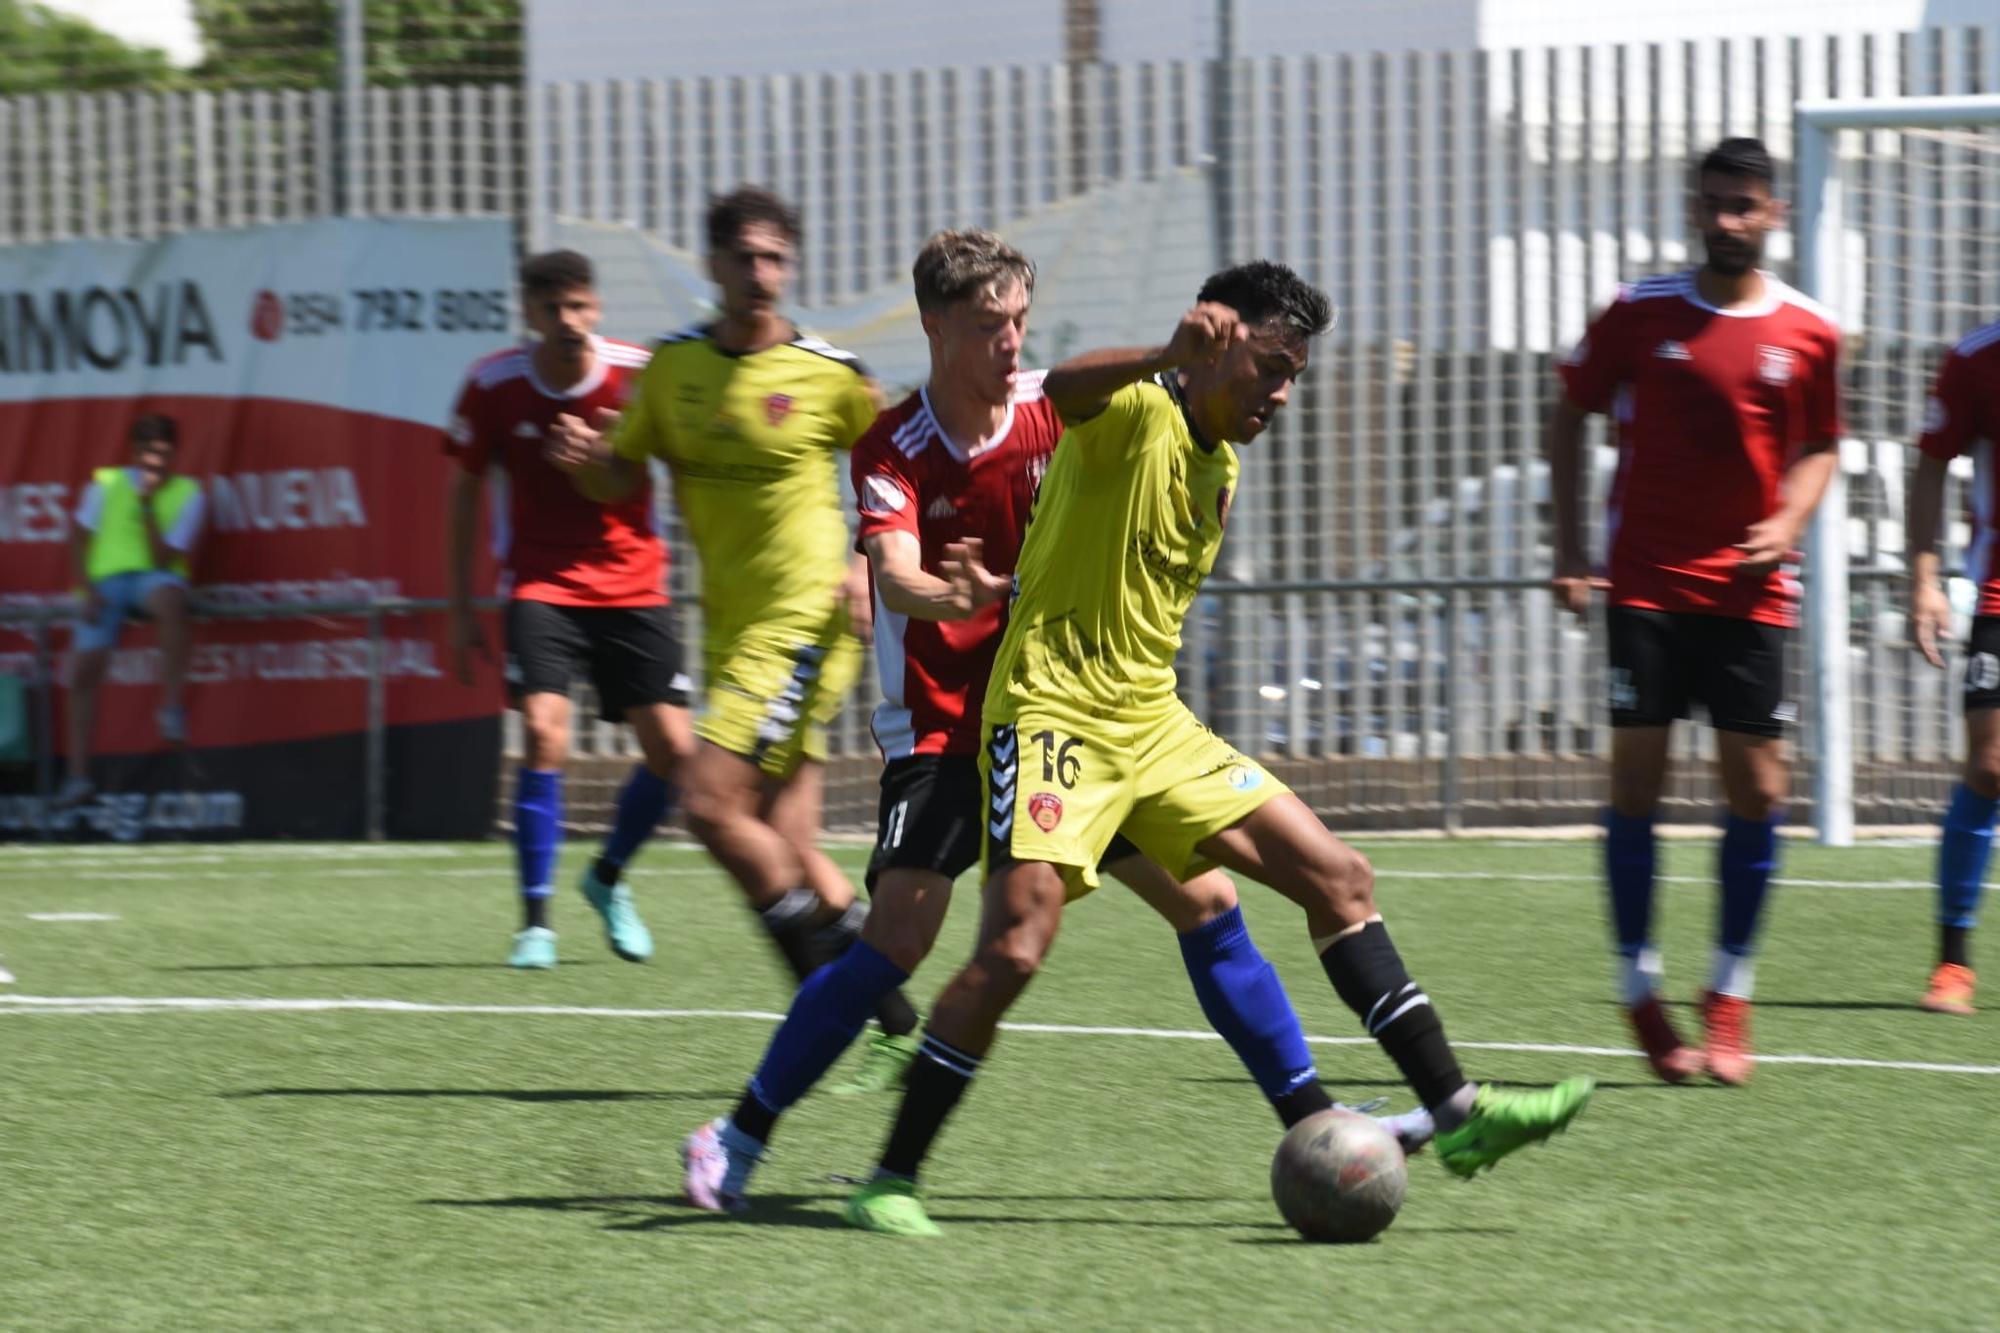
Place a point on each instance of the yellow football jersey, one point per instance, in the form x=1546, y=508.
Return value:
x=750, y=442
x=1126, y=527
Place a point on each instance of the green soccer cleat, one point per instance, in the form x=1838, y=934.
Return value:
x=1503, y=1121
x=623, y=930
x=883, y=1068
x=888, y=1205
x=534, y=947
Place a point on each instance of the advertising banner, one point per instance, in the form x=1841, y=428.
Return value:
x=310, y=368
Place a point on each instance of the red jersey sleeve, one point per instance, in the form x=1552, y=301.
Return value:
x=466, y=438
x=1822, y=416
x=1951, y=416
x=1602, y=361
x=884, y=491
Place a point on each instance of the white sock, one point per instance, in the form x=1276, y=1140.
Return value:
x=1452, y=1112
x=1639, y=976
x=1733, y=974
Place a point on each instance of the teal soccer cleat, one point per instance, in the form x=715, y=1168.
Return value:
x=623, y=930
x=534, y=948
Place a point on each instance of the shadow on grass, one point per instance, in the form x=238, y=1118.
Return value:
x=1334, y=1086
x=821, y=1211
x=495, y=1094
x=1858, y=1006
x=335, y=967
x=1292, y=1238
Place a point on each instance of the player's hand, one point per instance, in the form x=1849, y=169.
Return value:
x=1767, y=545
x=1574, y=582
x=148, y=481
x=964, y=567
x=856, y=595
x=1930, y=621
x=1204, y=334
x=574, y=444
x=467, y=638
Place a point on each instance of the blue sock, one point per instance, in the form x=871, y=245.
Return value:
x=537, y=829
x=1963, y=851
x=1244, y=1001
x=826, y=1016
x=1749, y=855
x=1629, y=857
x=643, y=802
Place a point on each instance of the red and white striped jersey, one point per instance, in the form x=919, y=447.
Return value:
x=554, y=544
x=1963, y=416
x=1712, y=406
x=909, y=476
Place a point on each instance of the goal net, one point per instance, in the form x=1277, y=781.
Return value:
x=1900, y=233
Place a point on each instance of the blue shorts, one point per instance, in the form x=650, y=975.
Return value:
x=121, y=597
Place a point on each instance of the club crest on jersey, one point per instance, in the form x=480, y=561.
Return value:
x=1045, y=808
x=1774, y=364
x=777, y=407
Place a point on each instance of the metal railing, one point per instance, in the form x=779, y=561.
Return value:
x=36, y=623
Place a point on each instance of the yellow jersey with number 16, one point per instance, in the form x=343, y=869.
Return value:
x=1126, y=527
x=751, y=444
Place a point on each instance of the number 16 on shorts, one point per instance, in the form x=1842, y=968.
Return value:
x=1033, y=802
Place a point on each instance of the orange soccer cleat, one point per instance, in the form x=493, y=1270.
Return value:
x=1671, y=1058
x=1727, y=1018
x=1951, y=990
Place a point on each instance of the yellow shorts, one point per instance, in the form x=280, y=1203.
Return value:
x=1060, y=786
x=769, y=694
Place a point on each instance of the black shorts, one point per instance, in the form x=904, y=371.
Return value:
x=1661, y=662
x=1982, y=664
x=630, y=653
x=932, y=810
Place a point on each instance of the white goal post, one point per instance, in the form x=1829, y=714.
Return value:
x=1962, y=175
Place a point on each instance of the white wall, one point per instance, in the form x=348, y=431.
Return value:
x=639, y=39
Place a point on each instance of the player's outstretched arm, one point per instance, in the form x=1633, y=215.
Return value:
x=1930, y=609
x=1572, y=580
x=1082, y=386
x=583, y=450
x=908, y=590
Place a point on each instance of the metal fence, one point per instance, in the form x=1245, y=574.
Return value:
x=1379, y=627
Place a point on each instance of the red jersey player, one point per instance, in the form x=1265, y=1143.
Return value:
x=1724, y=384
x=945, y=482
x=586, y=588
x=1963, y=416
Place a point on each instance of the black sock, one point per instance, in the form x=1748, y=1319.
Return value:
x=607, y=871
x=754, y=1118
x=893, y=1013
x=1955, y=945
x=534, y=913
x=790, y=921
x=938, y=1078
x=1309, y=1098
x=1366, y=970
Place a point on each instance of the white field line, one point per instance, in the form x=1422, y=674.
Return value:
x=130, y=1005
x=72, y=916
x=1387, y=877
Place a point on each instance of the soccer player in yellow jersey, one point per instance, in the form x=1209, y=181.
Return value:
x=1086, y=737
x=750, y=416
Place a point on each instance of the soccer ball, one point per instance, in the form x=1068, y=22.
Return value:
x=1338, y=1176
